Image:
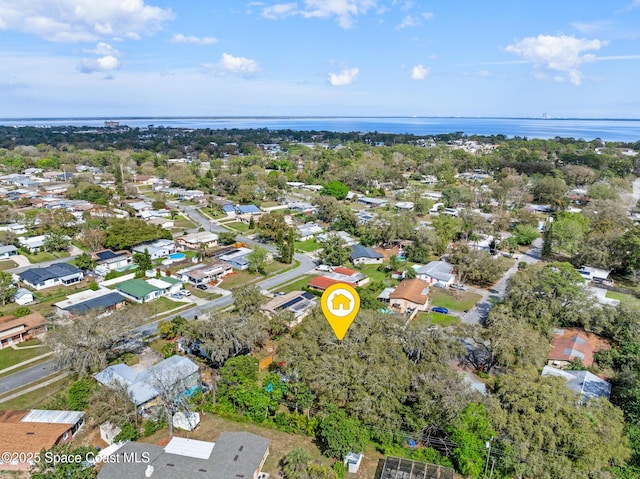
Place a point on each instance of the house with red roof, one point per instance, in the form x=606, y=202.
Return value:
x=572, y=344
x=338, y=275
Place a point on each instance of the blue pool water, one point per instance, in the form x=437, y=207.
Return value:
x=177, y=256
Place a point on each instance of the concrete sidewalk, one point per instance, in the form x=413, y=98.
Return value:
x=24, y=363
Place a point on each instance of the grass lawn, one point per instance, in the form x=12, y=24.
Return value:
x=269, y=204
x=213, y=213
x=163, y=304
x=42, y=256
x=371, y=270
x=38, y=397
x=307, y=246
x=31, y=342
x=127, y=358
x=7, y=264
x=622, y=297
x=423, y=320
x=10, y=356
x=238, y=226
x=297, y=285
x=447, y=299
x=183, y=223
x=157, y=345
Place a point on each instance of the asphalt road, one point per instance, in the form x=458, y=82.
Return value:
x=26, y=376
x=479, y=313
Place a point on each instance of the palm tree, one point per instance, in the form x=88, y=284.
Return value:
x=295, y=463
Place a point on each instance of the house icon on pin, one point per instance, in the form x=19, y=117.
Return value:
x=340, y=301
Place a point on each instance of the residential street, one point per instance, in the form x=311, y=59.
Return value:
x=479, y=313
x=44, y=369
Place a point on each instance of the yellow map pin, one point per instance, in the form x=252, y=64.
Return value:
x=340, y=304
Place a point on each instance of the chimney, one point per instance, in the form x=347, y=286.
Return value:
x=148, y=471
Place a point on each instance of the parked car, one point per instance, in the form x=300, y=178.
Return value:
x=201, y=286
x=461, y=287
x=438, y=309
x=186, y=292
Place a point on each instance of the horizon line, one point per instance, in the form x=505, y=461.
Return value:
x=310, y=117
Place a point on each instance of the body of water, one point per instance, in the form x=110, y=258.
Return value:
x=587, y=129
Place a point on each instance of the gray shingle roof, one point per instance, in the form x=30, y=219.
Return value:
x=40, y=275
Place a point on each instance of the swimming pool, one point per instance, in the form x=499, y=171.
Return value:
x=177, y=256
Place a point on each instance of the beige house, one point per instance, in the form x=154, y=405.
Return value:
x=410, y=295
x=195, y=241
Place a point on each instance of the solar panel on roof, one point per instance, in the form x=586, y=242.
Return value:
x=289, y=303
x=308, y=296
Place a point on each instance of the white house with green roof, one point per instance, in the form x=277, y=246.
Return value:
x=139, y=290
x=167, y=284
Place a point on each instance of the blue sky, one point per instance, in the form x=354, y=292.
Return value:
x=569, y=58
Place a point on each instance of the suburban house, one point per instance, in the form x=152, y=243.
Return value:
x=372, y=202
x=112, y=260
x=302, y=207
x=297, y=302
x=8, y=251
x=338, y=275
x=167, y=284
x=587, y=385
x=405, y=205
x=363, y=255
x=33, y=244
x=410, y=295
x=343, y=235
x=139, y=290
x=57, y=274
x=308, y=231
x=195, y=241
x=162, y=222
x=31, y=431
x=237, y=258
x=233, y=455
x=572, y=344
x=205, y=273
x=161, y=248
x=16, y=330
x=439, y=272
x=23, y=296
x=595, y=275
x=102, y=301
x=176, y=372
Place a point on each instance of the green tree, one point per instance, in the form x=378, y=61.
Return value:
x=470, y=435
x=270, y=225
x=335, y=188
x=56, y=240
x=247, y=299
x=340, y=434
x=143, y=261
x=294, y=464
x=447, y=227
x=550, y=190
x=226, y=237
x=536, y=418
x=257, y=259
x=123, y=233
x=46, y=468
x=79, y=393
x=568, y=232
x=525, y=234
x=334, y=251
x=85, y=262
x=7, y=289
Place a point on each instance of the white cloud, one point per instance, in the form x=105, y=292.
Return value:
x=82, y=20
x=230, y=65
x=180, y=38
x=559, y=57
x=104, y=64
x=419, y=72
x=344, y=78
x=103, y=49
x=414, y=21
x=344, y=11
x=280, y=10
